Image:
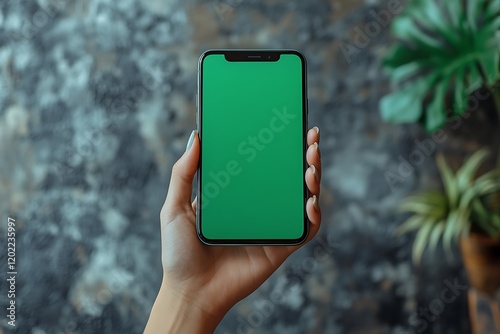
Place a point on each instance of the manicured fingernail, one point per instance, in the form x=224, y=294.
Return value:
x=316, y=146
x=190, y=141
x=317, y=130
x=315, y=202
x=315, y=173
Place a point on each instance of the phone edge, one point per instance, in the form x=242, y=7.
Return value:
x=305, y=119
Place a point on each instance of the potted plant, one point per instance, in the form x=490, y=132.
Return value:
x=444, y=51
x=468, y=211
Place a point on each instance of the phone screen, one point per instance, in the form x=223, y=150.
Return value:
x=252, y=125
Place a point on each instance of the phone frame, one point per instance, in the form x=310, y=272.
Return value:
x=252, y=55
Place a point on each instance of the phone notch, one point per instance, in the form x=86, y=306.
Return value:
x=252, y=55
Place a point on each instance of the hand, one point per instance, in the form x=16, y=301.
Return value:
x=209, y=280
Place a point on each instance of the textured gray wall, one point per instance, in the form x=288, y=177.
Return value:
x=96, y=104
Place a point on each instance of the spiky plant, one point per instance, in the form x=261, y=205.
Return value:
x=450, y=214
x=445, y=50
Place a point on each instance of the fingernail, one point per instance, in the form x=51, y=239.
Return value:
x=315, y=202
x=315, y=173
x=316, y=146
x=190, y=141
x=317, y=130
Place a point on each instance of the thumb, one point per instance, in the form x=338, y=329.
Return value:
x=181, y=182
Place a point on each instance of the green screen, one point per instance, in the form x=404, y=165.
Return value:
x=252, y=160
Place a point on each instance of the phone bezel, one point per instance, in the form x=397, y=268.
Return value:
x=254, y=56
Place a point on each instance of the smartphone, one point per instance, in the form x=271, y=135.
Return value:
x=252, y=122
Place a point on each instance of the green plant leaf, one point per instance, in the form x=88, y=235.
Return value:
x=488, y=228
x=487, y=221
x=421, y=241
x=476, y=191
x=482, y=187
x=436, y=233
x=495, y=220
x=489, y=64
x=463, y=223
x=431, y=14
x=491, y=176
x=479, y=211
x=454, y=8
x=449, y=231
x=430, y=203
x=404, y=105
x=449, y=181
x=411, y=224
x=403, y=27
x=473, y=11
x=442, y=49
x=450, y=215
x=435, y=113
x=459, y=98
x=466, y=173
x=493, y=10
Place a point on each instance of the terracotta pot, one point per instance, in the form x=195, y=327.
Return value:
x=481, y=256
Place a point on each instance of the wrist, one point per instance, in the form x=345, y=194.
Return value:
x=189, y=311
x=179, y=314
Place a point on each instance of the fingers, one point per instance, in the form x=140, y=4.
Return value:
x=313, y=180
x=314, y=215
x=194, y=205
x=313, y=136
x=179, y=191
x=313, y=157
x=313, y=211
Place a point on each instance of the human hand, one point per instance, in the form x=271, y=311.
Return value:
x=207, y=281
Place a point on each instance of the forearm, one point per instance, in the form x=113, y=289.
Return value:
x=171, y=313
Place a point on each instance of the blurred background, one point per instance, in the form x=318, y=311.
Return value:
x=97, y=100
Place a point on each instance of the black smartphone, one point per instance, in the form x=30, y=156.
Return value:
x=252, y=123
